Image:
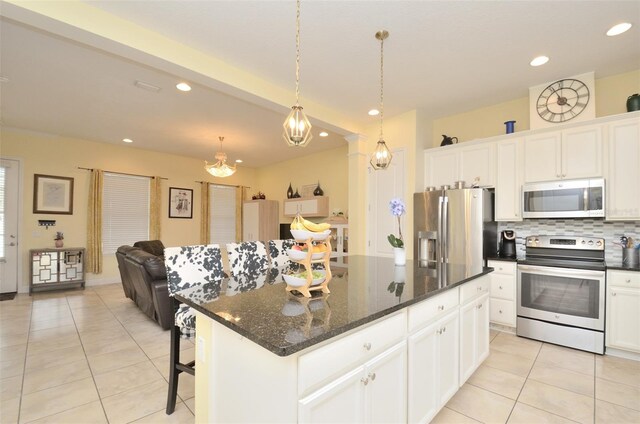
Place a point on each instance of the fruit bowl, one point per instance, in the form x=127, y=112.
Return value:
x=299, y=279
x=298, y=255
x=305, y=235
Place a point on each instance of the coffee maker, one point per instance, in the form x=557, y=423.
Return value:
x=508, y=244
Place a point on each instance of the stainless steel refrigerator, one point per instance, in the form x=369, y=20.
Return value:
x=454, y=231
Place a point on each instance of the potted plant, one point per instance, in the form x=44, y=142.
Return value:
x=398, y=209
x=59, y=239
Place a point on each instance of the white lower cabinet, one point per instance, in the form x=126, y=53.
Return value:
x=433, y=367
x=474, y=335
x=623, y=310
x=373, y=393
x=503, y=293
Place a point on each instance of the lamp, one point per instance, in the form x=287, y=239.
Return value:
x=297, y=128
x=381, y=157
x=220, y=168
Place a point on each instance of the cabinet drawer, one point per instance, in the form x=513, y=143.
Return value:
x=502, y=267
x=422, y=313
x=629, y=279
x=474, y=288
x=350, y=351
x=503, y=312
x=503, y=286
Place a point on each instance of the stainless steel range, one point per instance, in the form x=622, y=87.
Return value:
x=561, y=289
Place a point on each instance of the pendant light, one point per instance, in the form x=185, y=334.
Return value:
x=220, y=168
x=297, y=128
x=381, y=157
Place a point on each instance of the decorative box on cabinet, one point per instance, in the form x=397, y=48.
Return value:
x=503, y=293
x=623, y=311
x=317, y=206
x=623, y=190
x=56, y=269
x=340, y=249
x=260, y=220
x=555, y=155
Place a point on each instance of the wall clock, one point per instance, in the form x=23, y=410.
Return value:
x=569, y=99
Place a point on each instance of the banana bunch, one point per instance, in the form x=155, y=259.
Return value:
x=299, y=223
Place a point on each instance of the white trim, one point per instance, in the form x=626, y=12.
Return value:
x=25, y=289
x=618, y=353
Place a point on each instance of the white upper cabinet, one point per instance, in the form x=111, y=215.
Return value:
x=568, y=154
x=467, y=163
x=622, y=187
x=509, y=162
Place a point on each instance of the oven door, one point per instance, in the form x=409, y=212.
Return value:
x=565, y=296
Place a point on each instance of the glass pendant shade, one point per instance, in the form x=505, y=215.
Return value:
x=297, y=128
x=220, y=168
x=381, y=157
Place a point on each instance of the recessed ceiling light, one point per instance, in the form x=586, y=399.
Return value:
x=540, y=60
x=618, y=29
x=127, y=140
x=324, y=134
x=146, y=86
x=238, y=160
x=183, y=86
x=374, y=112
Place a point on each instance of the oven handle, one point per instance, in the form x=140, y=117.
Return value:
x=569, y=272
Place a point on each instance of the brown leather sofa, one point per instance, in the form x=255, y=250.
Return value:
x=144, y=280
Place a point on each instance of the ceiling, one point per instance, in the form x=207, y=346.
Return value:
x=442, y=57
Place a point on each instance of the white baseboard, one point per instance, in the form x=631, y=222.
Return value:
x=503, y=328
x=622, y=354
x=101, y=281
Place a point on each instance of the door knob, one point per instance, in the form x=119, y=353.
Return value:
x=372, y=376
x=12, y=244
x=364, y=381
x=367, y=346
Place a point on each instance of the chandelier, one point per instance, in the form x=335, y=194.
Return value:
x=381, y=157
x=297, y=128
x=220, y=168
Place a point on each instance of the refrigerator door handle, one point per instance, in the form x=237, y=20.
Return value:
x=439, y=254
x=444, y=234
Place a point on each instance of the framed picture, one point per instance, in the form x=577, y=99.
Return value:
x=180, y=202
x=52, y=194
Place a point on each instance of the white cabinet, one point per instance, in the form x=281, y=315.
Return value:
x=312, y=207
x=503, y=293
x=373, y=393
x=474, y=330
x=572, y=153
x=339, y=244
x=623, y=310
x=509, y=175
x=433, y=367
x=260, y=220
x=623, y=190
x=460, y=163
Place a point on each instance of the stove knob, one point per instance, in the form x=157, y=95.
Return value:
x=598, y=243
x=590, y=243
x=537, y=240
x=583, y=242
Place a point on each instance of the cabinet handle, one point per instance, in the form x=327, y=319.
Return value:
x=613, y=293
x=557, y=316
x=439, y=331
x=372, y=376
x=444, y=329
x=364, y=381
x=500, y=268
x=480, y=306
x=516, y=214
x=367, y=346
x=441, y=307
x=628, y=280
x=500, y=311
x=500, y=287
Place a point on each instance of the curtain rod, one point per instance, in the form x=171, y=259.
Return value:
x=223, y=185
x=123, y=173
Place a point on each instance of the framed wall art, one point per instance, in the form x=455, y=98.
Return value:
x=52, y=194
x=180, y=202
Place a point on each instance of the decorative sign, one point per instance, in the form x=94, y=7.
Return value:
x=52, y=194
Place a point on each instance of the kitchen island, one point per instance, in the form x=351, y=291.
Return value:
x=388, y=344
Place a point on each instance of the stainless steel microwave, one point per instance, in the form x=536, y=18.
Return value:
x=564, y=199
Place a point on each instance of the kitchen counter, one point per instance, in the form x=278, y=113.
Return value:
x=621, y=267
x=499, y=258
x=369, y=288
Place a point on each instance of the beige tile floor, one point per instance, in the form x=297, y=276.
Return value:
x=92, y=357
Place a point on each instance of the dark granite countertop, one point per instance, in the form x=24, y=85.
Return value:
x=498, y=258
x=621, y=267
x=261, y=310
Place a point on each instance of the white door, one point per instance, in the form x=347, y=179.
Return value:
x=623, y=318
x=424, y=392
x=509, y=180
x=624, y=167
x=9, y=201
x=384, y=186
x=448, y=357
x=250, y=221
x=467, y=341
x=387, y=386
x=482, y=330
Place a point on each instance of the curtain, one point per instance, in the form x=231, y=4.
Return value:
x=94, y=223
x=240, y=193
x=154, y=208
x=204, y=213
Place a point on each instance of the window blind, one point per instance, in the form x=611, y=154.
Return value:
x=222, y=215
x=125, y=211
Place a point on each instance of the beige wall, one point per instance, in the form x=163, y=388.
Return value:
x=329, y=167
x=53, y=155
x=611, y=98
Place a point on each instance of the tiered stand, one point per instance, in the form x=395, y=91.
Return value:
x=307, y=288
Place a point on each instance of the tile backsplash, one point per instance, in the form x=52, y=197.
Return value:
x=610, y=231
